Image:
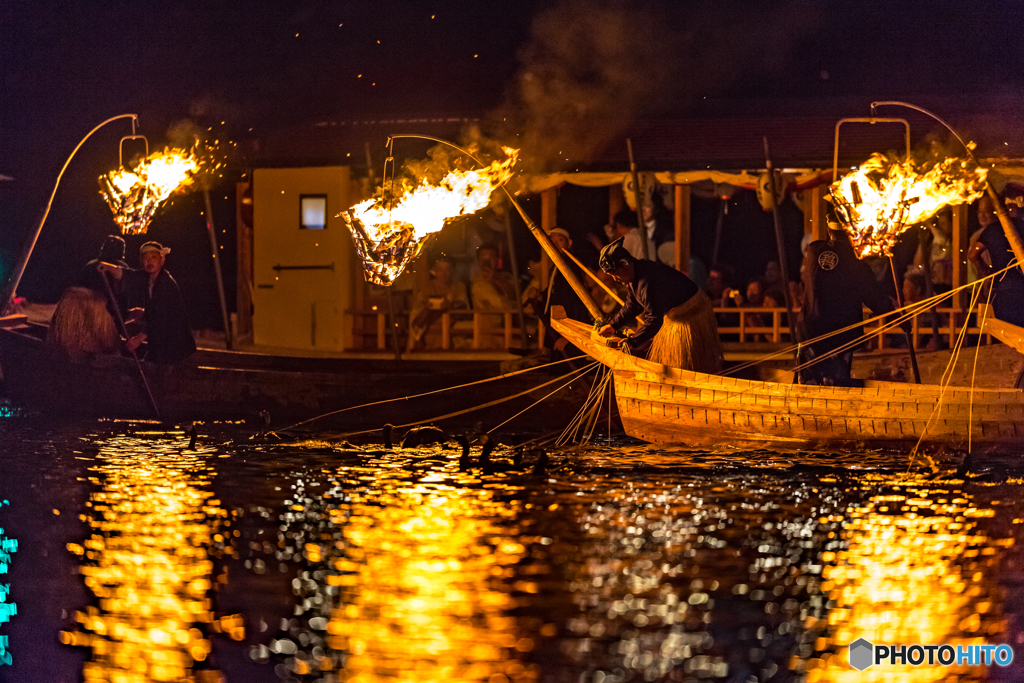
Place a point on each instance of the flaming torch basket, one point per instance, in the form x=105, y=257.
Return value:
x=385, y=258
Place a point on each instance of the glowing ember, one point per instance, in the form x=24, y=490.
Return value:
x=392, y=228
x=885, y=196
x=135, y=195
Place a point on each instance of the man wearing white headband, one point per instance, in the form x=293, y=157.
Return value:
x=167, y=332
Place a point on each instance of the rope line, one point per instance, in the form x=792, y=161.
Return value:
x=974, y=370
x=579, y=374
x=947, y=377
x=914, y=310
x=435, y=391
x=447, y=415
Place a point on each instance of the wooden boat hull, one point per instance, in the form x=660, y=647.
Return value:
x=666, y=405
x=231, y=386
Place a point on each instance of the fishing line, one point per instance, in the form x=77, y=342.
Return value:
x=435, y=391
x=579, y=374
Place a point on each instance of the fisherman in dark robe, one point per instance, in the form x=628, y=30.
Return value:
x=164, y=321
x=111, y=252
x=1008, y=288
x=678, y=324
x=560, y=293
x=837, y=285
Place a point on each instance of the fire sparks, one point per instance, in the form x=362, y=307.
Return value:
x=885, y=196
x=134, y=195
x=391, y=229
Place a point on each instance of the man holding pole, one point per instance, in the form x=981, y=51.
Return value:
x=678, y=328
x=152, y=289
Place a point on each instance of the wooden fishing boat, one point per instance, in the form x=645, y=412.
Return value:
x=666, y=405
x=231, y=385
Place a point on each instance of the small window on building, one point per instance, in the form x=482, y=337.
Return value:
x=313, y=211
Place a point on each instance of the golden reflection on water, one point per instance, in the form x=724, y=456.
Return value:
x=917, y=569
x=154, y=521
x=406, y=580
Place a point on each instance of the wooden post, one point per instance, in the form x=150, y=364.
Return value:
x=446, y=330
x=382, y=327
x=508, y=329
x=682, y=216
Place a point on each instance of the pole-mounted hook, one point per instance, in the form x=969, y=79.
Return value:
x=133, y=136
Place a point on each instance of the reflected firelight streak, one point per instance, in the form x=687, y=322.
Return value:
x=917, y=569
x=403, y=581
x=148, y=562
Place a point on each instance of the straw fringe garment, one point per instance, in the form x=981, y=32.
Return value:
x=82, y=325
x=688, y=338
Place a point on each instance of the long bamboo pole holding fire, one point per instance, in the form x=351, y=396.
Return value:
x=545, y=242
x=10, y=289
x=1012, y=235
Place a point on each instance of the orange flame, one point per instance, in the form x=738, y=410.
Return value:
x=391, y=228
x=885, y=196
x=134, y=195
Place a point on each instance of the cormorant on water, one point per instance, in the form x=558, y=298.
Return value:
x=387, y=429
x=464, y=463
x=485, y=454
x=193, y=433
x=540, y=467
x=424, y=435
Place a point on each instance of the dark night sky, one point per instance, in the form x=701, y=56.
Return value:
x=66, y=66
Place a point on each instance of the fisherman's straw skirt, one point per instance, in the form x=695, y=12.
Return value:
x=82, y=325
x=688, y=338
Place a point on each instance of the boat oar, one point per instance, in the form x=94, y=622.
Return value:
x=124, y=330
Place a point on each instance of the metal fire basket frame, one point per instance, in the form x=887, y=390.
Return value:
x=871, y=120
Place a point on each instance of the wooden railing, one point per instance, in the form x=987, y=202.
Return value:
x=951, y=322
x=481, y=326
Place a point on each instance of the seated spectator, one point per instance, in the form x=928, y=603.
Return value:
x=658, y=220
x=719, y=279
x=491, y=290
x=441, y=294
x=560, y=293
x=624, y=225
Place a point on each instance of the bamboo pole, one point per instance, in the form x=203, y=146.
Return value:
x=10, y=289
x=910, y=338
x=595, y=278
x=640, y=224
x=210, y=228
x=515, y=278
x=387, y=290
x=780, y=243
x=124, y=330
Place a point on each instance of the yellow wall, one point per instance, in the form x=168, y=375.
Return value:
x=302, y=309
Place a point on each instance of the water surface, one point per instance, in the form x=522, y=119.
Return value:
x=132, y=558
